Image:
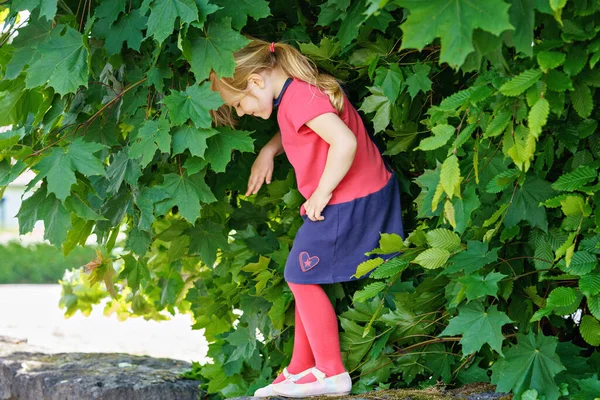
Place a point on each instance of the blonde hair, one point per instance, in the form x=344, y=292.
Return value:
x=257, y=57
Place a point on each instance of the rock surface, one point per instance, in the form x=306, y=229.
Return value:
x=474, y=391
x=27, y=373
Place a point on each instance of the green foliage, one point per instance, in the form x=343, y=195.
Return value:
x=488, y=111
x=38, y=263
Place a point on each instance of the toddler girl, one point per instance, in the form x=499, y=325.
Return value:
x=352, y=196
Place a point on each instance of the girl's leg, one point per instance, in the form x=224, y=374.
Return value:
x=302, y=357
x=320, y=324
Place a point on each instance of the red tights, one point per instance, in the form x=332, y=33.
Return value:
x=316, y=338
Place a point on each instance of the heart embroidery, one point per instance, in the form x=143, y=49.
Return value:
x=307, y=262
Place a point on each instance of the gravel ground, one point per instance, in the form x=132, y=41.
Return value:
x=32, y=312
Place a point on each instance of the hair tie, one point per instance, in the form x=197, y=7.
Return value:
x=272, y=48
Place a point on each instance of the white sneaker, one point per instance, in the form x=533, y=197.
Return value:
x=268, y=390
x=337, y=385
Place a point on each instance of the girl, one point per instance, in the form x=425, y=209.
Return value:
x=351, y=193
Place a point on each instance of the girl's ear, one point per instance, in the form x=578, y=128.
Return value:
x=256, y=79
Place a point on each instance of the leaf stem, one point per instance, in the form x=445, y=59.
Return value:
x=88, y=121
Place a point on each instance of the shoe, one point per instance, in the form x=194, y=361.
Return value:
x=337, y=385
x=268, y=390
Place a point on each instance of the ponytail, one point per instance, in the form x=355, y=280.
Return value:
x=257, y=57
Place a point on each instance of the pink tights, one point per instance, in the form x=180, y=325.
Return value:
x=316, y=338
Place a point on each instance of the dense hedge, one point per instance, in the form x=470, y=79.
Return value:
x=485, y=109
x=38, y=263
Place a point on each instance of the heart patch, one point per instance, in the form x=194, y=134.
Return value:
x=307, y=262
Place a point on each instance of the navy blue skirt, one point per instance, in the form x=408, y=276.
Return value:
x=329, y=251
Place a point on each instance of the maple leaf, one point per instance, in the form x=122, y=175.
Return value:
x=453, y=21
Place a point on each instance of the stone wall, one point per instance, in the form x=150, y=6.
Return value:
x=28, y=373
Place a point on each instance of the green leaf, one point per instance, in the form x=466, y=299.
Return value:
x=63, y=64
x=10, y=138
x=590, y=330
x=498, y=124
x=369, y=291
x=390, y=80
x=59, y=167
x=381, y=105
x=593, y=303
x=589, y=284
x=328, y=48
x=443, y=239
x=582, y=100
x=575, y=61
x=388, y=243
x=9, y=173
x=419, y=81
x=589, y=388
x=242, y=9
x=122, y=168
x=538, y=116
x=353, y=345
x=206, y=238
x=454, y=23
x=189, y=137
x=432, y=258
x=575, y=180
x=521, y=82
x=212, y=49
x=194, y=103
x=464, y=207
x=244, y=343
x=163, y=14
x=151, y=136
x=502, y=181
x=442, y=133
x=561, y=297
x=476, y=257
x=127, y=29
x=457, y=99
x=110, y=10
x=525, y=205
x=351, y=22
x=558, y=81
x=367, y=266
x=47, y=7
x=582, y=263
x=134, y=272
x=223, y=143
x=478, y=326
x=186, y=192
x=450, y=176
x=531, y=364
x=45, y=206
x=390, y=268
x=331, y=11
x=479, y=286
x=550, y=59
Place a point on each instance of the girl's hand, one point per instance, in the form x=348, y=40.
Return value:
x=315, y=205
x=261, y=172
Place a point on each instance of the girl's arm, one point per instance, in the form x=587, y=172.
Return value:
x=342, y=149
x=274, y=146
x=262, y=169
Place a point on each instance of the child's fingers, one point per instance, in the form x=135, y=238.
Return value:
x=251, y=184
x=269, y=175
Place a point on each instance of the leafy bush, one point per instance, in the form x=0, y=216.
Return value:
x=38, y=263
x=486, y=110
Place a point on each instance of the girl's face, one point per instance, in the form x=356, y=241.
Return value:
x=256, y=100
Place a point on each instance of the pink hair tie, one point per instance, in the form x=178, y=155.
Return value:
x=272, y=48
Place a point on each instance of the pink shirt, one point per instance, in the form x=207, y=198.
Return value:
x=307, y=151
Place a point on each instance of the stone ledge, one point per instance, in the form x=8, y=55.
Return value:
x=473, y=391
x=29, y=373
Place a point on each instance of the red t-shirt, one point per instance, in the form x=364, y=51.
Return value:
x=307, y=151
